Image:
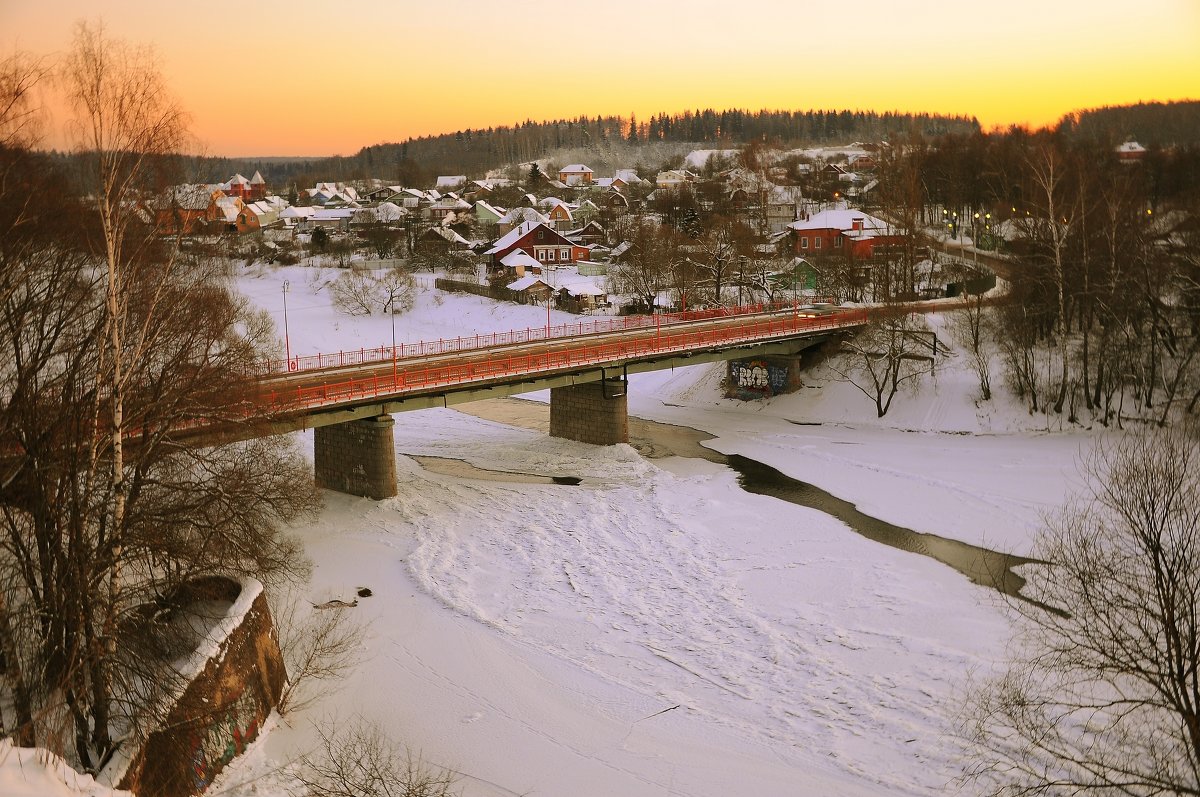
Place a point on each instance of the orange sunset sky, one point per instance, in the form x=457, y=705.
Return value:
x=310, y=77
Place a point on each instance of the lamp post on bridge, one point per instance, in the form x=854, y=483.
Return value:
x=287, y=343
x=391, y=308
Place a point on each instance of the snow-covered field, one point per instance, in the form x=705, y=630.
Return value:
x=656, y=629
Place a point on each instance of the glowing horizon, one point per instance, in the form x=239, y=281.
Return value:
x=315, y=80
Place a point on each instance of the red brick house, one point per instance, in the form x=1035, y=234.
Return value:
x=539, y=242
x=185, y=209
x=845, y=232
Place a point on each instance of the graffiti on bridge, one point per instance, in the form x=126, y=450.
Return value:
x=755, y=379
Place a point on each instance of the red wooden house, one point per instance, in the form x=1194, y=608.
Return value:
x=539, y=242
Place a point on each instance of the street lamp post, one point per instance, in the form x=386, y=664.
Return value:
x=287, y=343
x=391, y=308
x=975, y=236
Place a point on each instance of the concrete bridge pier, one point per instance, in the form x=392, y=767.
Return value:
x=357, y=457
x=592, y=412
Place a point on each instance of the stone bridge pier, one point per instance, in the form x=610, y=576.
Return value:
x=592, y=412
x=357, y=457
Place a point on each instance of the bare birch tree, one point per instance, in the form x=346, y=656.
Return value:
x=112, y=345
x=1102, y=695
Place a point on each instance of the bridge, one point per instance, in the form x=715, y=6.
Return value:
x=349, y=398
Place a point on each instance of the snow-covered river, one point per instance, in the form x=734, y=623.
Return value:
x=657, y=628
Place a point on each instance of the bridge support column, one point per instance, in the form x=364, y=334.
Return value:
x=595, y=412
x=763, y=377
x=357, y=457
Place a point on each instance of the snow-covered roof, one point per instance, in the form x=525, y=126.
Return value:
x=526, y=282
x=519, y=258
x=574, y=168
x=842, y=219
x=524, y=214
x=190, y=196
x=332, y=214
x=257, y=179
x=495, y=211
x=1130, y=147
x=229, y=207
x=451, y=202
x=449, y=235
x=513, y=235
x=583, y=287
x=389, y=211
x=450, y=180
x=297, y=213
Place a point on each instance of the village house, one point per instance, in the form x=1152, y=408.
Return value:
x=575, y=174
x=1130, y=152
x=184, y=209
x=297, y=217
x=250, y=190
x=852, y=233
x=581, y=296
x=520, y=215
x=486, y=214
x=558, y=212
x=539, y=242
x=442, y=239
x=254, y=216
x=447, y=205
x=673, y=178
x=590, y=233
x=531, y=289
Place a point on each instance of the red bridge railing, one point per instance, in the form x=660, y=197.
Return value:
x=380, y=354
x=415, y=377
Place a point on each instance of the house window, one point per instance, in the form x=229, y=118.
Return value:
x=541, y=234
x=541, y=255
x=803, y=241
x=837, y=242
x=564, y=254
x=553, y=252
x=817, y=243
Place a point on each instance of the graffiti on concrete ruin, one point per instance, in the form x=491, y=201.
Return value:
x=753, y=379
x=226, y=737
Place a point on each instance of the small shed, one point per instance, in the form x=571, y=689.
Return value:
x=531, y=289
x=581, y=296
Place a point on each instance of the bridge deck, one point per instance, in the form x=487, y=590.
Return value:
x=520, y=364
